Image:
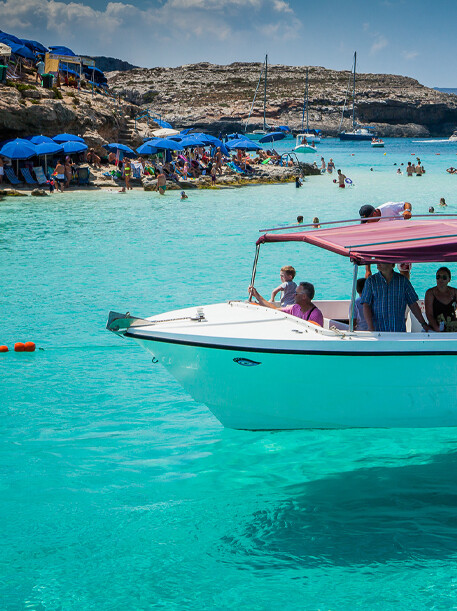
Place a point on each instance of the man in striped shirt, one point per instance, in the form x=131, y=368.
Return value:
x=385, y=297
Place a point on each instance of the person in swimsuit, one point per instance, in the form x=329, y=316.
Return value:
x=127, y=174
x=60, y=175
x=441, y=301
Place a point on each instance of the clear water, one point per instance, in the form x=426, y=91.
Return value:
x=118, y=491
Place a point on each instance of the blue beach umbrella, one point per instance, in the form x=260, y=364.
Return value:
x=272, y=137
x=49, y=148
x=40, y=139
x=165, y=144
x=146, y=149
x=207, y=139
x=18, y=149
x=237, y=136
x=74, y=147
x=244, y=144
x=68, y=138
x=117, y=146
x=190, y=141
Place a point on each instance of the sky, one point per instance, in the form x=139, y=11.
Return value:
x=411, y=38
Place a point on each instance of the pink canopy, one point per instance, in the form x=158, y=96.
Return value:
x=397, y=241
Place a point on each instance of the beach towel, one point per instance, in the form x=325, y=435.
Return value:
x=137, y=169
x=40, y=175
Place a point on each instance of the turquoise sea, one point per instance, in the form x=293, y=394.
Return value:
x=118, y=491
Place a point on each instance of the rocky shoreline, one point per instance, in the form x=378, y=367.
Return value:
x=264, y=175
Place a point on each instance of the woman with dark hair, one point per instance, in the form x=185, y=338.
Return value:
x=441, y=302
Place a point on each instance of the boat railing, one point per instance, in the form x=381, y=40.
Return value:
x=356, y=220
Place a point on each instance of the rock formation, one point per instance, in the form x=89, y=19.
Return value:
x=214, y=97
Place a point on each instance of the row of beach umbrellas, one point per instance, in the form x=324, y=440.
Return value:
x=21, y=148
x=68, y=143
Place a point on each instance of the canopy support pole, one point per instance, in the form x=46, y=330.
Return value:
x=254, y=267
x=354, y=290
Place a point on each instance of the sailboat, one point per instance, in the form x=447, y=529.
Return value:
x=311, y=135
x=258, y=133
x=305, y=141
x=358, y=132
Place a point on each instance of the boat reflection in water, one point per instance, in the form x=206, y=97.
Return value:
x=235, y=356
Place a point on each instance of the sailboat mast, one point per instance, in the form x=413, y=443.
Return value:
x=353, y=92
x=307, y=124
x=265, y=95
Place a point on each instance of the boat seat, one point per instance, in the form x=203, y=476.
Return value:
x=339, y=324
x=412, y=324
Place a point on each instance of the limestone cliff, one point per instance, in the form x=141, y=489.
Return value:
x=218, y=97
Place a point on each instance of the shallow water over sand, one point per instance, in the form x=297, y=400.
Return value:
x=119, y=491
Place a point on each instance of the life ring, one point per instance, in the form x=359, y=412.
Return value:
x=348, y=181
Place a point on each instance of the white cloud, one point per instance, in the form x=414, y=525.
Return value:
x=410, y=54
x=379, y=44
x=281, y=7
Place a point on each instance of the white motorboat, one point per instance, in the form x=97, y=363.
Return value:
x=303, y=146
x=453, y=138
x=235, y=356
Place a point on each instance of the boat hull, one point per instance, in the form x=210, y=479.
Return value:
x=246, y=389
x=356, y=137
x=303, y=148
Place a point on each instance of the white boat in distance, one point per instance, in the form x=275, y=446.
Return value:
x=235, y=356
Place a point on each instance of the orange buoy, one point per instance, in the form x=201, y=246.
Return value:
x=29, y=347
x=3, y=348
x=19, y=347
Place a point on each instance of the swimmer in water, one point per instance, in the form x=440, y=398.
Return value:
x=183, y=195
x=431, y=209
x=299, y=219
x=443, y=203
x=316, y=222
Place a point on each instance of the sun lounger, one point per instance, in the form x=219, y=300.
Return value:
x=11, y=176
x=83, y=176
x=28, y=177
x=235, y=168
x=40, y=175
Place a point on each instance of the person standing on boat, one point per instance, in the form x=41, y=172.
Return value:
x=384, y=299
x=302, y=308
x=390, y=211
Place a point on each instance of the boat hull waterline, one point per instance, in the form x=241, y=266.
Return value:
x=313, y=380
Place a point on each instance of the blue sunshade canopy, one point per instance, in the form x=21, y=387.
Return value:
x=4, y=37
x=247, y=145
x=74, y=147
x=272, y=137
x=21, y=50
x=68, y=138
x=147, y=149
x=190, y=141
x=62, y=51
x=18, y=149
x=48, y=148
x=34, y=45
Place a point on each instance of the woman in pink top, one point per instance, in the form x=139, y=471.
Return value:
x=303, y=306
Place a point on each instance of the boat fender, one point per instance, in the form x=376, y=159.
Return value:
x=348, y=181
x=3, y=348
